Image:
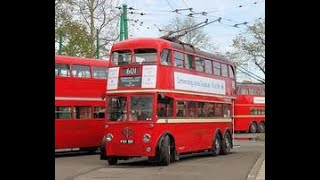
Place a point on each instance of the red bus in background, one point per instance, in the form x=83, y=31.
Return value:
x=165, y=99
x=250, y=108
x=80, y=86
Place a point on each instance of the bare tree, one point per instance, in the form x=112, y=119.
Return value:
x=99, y=16
x=197, y=37
x=250, y=47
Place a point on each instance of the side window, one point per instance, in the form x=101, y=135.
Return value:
x=165, y=57
x=209, y=108
x=181, y=109
x=251, y=91
x=201, y=109
x=244, y=91
x=252, y=111
x=226, y=110
x=63, y=112
x=81, y=71
x=199, y=64
x=262, y=92
x=224, y=70
x=62, y=70
x=208, y=66
x=82, y=112
x=189, y=61
x=165, y=106
x=216, y=68
x=192, y=109
x=98, y=112
x=100, y=72
x=218, y=110
x=178, y=59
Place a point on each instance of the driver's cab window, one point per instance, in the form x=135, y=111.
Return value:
x=117, y=108
x=140, y=108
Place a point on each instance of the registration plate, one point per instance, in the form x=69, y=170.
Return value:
x=126, y=141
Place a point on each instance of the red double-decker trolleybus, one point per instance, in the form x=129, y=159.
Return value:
x=166, y=99
x=80, y=86
x=250, y=108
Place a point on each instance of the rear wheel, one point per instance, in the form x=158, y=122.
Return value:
x=253, y=127
x=165, y=152
x=216, y=145
x=226, y=144
x=261, y=127
x=112, y=160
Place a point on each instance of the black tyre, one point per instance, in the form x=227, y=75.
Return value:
x=226, y=144
x=216, y=145
x=112, y=160
x=261, y=127
x=165, y=152
x=253, y=127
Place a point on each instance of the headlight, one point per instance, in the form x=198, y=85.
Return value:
x=109, y=137
x=146, y=137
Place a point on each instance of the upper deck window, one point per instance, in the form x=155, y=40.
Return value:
x=62, y=70
x=216, y=68
x=121, y=57
x=100, y=72
x=165, y=57
x=244, y=91
x=145, y=56
x=224, y=70
x=189, y=62
x=81, y=71
x=178, y=59
x=208, y=66
x=199, y=64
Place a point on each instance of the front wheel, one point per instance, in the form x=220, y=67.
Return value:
x=165, y=153
x=112, y=160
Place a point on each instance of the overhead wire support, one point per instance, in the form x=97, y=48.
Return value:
x=177, y=10
x=184, y=29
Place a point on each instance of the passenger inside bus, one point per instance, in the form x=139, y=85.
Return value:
x=162, y=112
x=121, y=60
x=180, y=113
x=133, y=116
x=122, y=113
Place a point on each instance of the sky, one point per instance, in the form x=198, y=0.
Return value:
x=158, y=13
